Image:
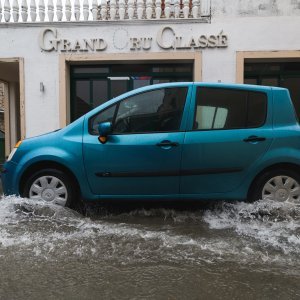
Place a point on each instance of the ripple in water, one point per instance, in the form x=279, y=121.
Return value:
x=263, y=232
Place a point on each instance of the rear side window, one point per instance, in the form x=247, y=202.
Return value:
x=229, y=109
x=257, y=109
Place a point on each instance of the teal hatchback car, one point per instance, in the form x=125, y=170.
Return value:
x=167, y=141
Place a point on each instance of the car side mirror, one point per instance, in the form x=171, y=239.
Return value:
x=104, y=130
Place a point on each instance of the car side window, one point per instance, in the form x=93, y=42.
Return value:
x=152, y=111
x=219, y=108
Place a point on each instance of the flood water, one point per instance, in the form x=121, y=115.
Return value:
x=220, y=251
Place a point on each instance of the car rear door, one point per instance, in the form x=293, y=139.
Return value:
x=230, y=129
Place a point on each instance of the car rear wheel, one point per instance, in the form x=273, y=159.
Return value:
x=281, y=185
x=52, y=186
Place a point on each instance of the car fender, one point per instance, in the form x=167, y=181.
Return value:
x=71, y=161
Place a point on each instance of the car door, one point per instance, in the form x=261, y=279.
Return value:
x=228, y=132
x=143, y=152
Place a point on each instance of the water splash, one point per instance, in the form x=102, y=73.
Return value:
x=263, y=232
x=274, y=224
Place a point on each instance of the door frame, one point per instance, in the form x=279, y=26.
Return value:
x=8, y=143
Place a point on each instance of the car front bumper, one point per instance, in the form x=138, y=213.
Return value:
x=9, y=179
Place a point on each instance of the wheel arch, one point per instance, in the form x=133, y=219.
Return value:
x=47, y=165
x=288, y=166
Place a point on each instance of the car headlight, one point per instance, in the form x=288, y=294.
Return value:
x=14, y=151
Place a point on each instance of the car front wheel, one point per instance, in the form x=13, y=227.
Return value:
x=281, y=185
x=50, y=185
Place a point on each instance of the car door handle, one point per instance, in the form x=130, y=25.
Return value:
x=167, y=144
x=254, y=139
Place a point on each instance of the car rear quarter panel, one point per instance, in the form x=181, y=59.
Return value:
x=285, y=148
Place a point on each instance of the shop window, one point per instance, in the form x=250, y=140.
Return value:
x=282, y=74
x=92, y=85
x=90, y=70
x=118, y=86
x=100, y=94
x=82, y=103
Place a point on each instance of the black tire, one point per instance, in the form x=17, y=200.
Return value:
x=256, y=192
x=70, y=195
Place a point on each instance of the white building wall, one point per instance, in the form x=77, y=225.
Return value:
x=271, y=28
x=254, y=8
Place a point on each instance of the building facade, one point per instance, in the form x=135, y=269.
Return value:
x=58, y=61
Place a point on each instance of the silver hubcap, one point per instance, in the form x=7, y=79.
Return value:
x=50, y=189
x=283, y=189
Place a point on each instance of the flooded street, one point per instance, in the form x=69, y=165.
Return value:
x=225, y=250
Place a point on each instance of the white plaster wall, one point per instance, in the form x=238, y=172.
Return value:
x=244, y=34
x=41, y=109
x=263, y=8
x=248, y=34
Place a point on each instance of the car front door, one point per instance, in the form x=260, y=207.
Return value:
x=143, y=153
x=229, y=131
